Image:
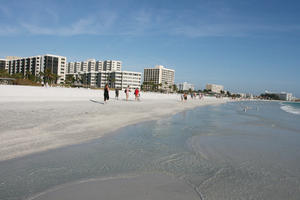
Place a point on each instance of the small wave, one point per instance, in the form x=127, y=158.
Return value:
x=290, y=109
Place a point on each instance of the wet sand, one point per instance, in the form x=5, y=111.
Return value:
x=147, y=186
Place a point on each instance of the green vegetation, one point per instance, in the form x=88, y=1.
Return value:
x=270, y=96
x=30, y=79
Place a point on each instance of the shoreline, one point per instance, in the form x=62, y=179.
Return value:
x=37, y=125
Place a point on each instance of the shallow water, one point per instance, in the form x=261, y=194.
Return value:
x=246, y=150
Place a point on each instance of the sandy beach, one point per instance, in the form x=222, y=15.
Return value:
x=35, y=119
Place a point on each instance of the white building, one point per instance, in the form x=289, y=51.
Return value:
x=112, y=65
x=159, y=75
x=185, y=86
x=3, y=64
x=99, y=66
x=283, y=95
x=215, y=88
x=71, y=68
x=36, y=64
x=98, y=74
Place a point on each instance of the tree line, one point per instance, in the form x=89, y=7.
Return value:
x=29, y=78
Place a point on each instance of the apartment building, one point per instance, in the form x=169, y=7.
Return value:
x=36, y=64
x=112, y=65
x=98, y=74
x=3, y=64
x=99, y=66
x=71, y=68
x=215, y=88
x=159, y=75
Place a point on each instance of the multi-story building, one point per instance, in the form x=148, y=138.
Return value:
x=3, y=64
x=112, y=65
x=283, y=95
x=36, y=64
x=71, y=68
x=91, y=65
x=185, y=86
x=99, y=66
x=90, y=79
x=98, y=74
x=159, y=75
x=215, y=88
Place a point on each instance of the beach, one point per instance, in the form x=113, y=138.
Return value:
x=36, y=119
x=218, y=151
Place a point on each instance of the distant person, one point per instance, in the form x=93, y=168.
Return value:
x=136, y=94
x=127, y=90
x=106, y=93
x=181, y=96
x=117, y=93
x=200, y=95
x=185, y=97
x=192, y=95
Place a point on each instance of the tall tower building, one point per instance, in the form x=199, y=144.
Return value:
x=159, y=75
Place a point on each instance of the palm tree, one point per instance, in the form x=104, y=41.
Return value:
x=49, y=77
x=175, y=89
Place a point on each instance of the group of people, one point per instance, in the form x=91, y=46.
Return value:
x=193, y=96
x=126, y=91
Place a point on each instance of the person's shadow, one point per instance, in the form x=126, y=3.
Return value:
x=94, y=101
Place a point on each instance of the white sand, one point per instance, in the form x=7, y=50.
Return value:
x=35, y=119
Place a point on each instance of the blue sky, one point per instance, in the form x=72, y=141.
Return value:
x=248, y=46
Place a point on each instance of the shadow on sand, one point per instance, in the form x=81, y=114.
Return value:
x=94, y=101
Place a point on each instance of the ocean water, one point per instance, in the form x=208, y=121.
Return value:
x=242, y=150
x=291, y=107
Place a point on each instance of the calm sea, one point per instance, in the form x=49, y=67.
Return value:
x=243, y=150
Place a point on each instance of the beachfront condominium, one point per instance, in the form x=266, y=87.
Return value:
x=119, y=79
x=215, y=88
x=185, y=86
x=3, y=64
x=92, y=65
x=160, y=76
x=37, y=64
x=98, y=74
x=112, y=65
x=284, y=96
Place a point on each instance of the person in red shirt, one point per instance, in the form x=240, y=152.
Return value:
x=137, y=94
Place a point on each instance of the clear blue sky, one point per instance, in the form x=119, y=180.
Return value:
x=246, y=45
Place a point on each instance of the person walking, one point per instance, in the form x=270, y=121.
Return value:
x=106, y=93
x=117, y=93
x=127, y=90
x=137, y=93
x=185, y=97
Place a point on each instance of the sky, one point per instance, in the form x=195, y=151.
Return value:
x=248, y=46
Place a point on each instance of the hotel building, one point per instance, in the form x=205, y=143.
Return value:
x=37, y=64
x=99, y=73
x=215, y=88
x=159, y=75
